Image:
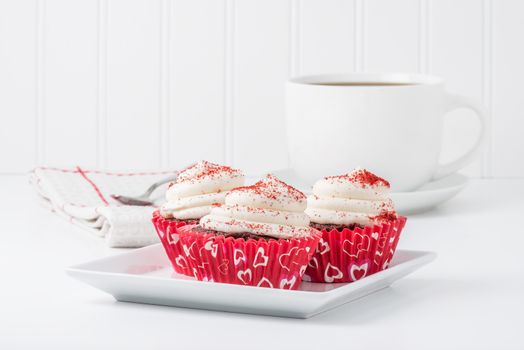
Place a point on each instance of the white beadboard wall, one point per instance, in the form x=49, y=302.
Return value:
x=150, y=84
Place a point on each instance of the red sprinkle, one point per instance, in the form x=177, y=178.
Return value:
x=385, y=216
x=361, y=176
x=208, y=169
x=273, y=188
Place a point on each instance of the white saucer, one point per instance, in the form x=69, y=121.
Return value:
x=430, y=195
x=423, y=199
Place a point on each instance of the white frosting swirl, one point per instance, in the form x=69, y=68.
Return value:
x=268, y=208
x=198, y=188
x=359, y=197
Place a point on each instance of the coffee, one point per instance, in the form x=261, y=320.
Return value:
x=364, y=83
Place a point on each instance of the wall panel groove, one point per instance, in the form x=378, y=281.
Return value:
x=294, y=37
x=425, y=37
x=229, y=81
x=40, y=82
x=164, y=82
x=487, y=47
x=359, y=35
x=101, y=87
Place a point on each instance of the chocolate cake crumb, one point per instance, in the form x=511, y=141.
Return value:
x=329, y=227
x=244, y=235
x=185, y=221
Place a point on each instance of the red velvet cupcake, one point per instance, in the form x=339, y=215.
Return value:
x=359, y=225
x=196, y=190
x=259, y=237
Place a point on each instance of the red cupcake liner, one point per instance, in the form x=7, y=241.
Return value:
x=271, y=264
x=167, y=231
x=350, y=255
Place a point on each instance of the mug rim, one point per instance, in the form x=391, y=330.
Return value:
x=409, y=79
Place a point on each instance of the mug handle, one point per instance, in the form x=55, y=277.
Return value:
x=456, y=102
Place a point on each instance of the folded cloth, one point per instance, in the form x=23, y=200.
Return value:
x=83, y=197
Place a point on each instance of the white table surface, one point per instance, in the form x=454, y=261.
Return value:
x=472, y=296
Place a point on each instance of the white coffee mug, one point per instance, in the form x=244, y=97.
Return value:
x=391, y=124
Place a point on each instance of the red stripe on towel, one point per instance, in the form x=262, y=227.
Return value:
x=95, y=187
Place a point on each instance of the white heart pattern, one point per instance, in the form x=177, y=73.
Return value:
x=323, y=247
x=238, y=256
x=374, y=235
x=329, y=276
x=313, y=263
x=173, y=238
x=288, y=255
x=181, y=261
x=388, y=260
x=361, y=270
x=260, y=258
x=287, y=283
x=265, y=281
x=391, y=240
x=211, y=246
x=362, y=246
x=382, y=241
x=379, y=254
x=244, y=276
x=187, y=250
x=385, y=265
x=302, y=270
x=224, y=266
x=202, y=265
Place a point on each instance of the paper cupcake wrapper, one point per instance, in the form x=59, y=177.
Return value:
x=350, y=255
x=271, y=264
x=167, y=231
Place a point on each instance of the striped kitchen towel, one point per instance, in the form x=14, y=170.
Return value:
x=83, y=198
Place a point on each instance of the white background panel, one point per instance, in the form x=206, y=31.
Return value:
x=508, y=72
x=133, y=84
x=70, y=57
x=327, y=36
x=197, y=82
x=261, y=57
x=455, y=53
x=18, y=136
x=391, y=34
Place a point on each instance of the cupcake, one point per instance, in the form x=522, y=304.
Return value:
x=360, y=228
x=259, y=237
x=194, y=193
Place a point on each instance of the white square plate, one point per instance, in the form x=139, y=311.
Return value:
x=146, y=276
